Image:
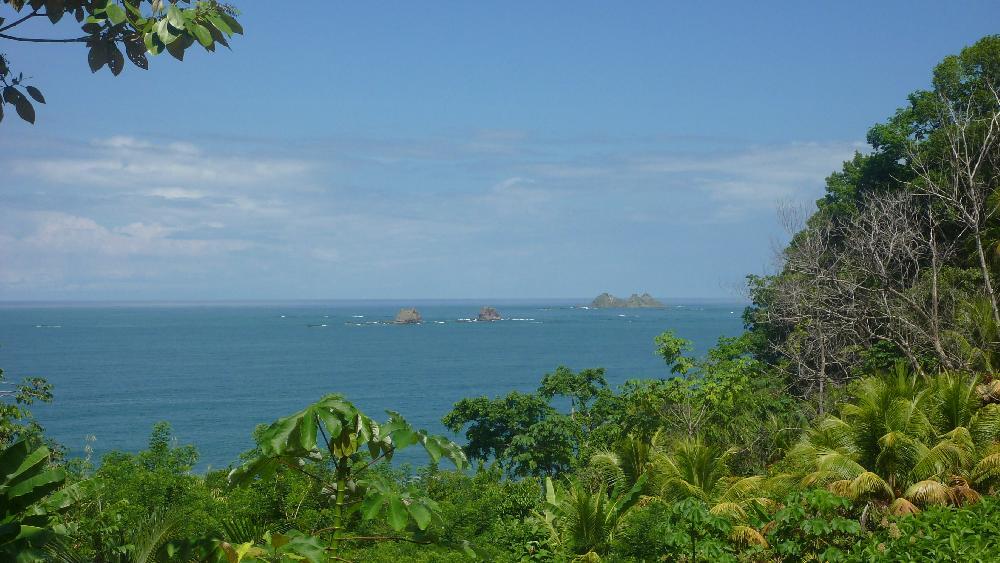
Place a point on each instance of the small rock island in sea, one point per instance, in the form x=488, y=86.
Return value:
x=635, y=301
x=489, y=314
x=408, y=317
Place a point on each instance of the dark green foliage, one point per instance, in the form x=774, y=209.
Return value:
x=683, y=531
x=814, y=525
x=16, y=421
x=526, y=434
x=31, y=494
x=109, y=27
x=131, y=496
x=940, y=534
x=484, y=509
x=492, y=424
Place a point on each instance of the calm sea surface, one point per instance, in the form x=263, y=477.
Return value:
x=214, y=371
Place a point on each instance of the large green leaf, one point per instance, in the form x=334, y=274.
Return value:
x=32, y=490
x=420, y=513
x=201, y=32
x=397, y=513
x=260, y=466
x=12, y=457
x=291, y=435
x=175, y=17
x=115, y=13
x=372, y=505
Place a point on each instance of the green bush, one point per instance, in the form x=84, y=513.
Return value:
x=813, y=525
x=970, y=534
x=683, y=531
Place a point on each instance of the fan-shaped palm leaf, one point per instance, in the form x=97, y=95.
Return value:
x=955, y=399
x=629, y=458
x=692, y=469
x=929, y=493
x=868, y=486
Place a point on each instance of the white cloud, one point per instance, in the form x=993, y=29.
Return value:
x=55, y=232
x=176, y=193
x=170, y=168
x=756, y=176
x=125, y=208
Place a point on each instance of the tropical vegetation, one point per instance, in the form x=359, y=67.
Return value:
x=856, y=419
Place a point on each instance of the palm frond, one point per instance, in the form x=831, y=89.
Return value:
x=779, y=485
x=731, y=510
x=903, y=507
x=60, y=551
x=608, y=466
x=989, y=392
x=985, y=425
x=841, y=488
x=947, y=456
x=929, y=493
x=868, y=485
x=150, y=536
x=740, y=489
x=747, y=536
x=839, y=465
x=962, y=495
x=987, y=471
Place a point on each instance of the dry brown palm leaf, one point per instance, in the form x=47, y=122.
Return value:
x=929, y=493
x=746, y=536
x=989, y=392
x=903, y=507
x=841, y=488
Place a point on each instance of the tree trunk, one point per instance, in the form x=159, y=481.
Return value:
x=986, y=277
x=338, y=513
x=822, y=374
x=935, y=300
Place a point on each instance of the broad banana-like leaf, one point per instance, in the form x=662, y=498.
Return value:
x=334, y=428
x=27, y=501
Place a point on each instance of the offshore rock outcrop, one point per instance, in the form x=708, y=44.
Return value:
x=489, y=314
x=634, y=301
x=408, y=317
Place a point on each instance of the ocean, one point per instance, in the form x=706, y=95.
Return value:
x=216, y=370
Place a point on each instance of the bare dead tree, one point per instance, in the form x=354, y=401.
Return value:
x=964, y=174
x=809, y=303
x=892, y=248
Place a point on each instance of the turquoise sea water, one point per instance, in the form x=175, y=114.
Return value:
x=215, y=370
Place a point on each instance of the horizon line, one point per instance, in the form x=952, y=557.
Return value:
x=583, y=300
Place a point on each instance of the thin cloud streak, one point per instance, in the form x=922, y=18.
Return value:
x=143, y=215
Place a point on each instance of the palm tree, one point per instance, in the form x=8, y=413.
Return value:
x=977, y=336
x=629, y=459
x=906, y=441
x=693, y=469
x=583, y=520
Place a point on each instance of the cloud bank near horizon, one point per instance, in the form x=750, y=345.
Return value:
x=495, y=213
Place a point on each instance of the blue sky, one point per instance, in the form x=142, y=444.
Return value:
x=453, y=149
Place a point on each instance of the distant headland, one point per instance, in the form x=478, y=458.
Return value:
x=634, y=301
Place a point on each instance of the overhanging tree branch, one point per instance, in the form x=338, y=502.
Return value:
x=20, y=21
x=83, y=39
